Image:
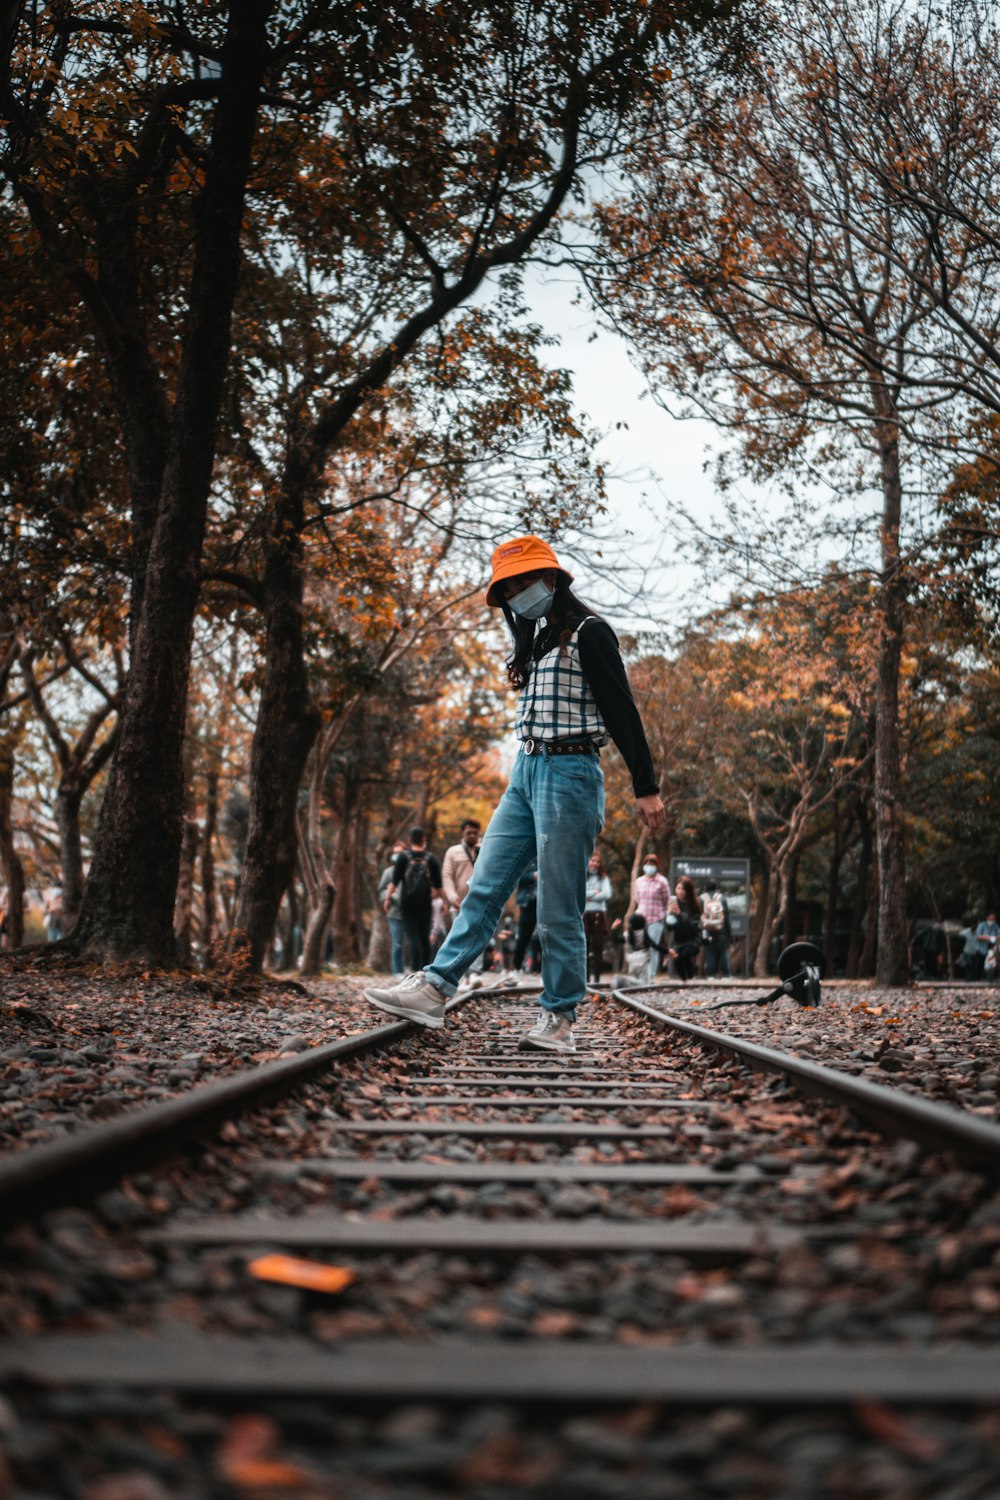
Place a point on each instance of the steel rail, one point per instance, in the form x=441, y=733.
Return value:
x=973, y=1141
x=74, y=1168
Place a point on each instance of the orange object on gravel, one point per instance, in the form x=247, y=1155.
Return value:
x=311, y=1275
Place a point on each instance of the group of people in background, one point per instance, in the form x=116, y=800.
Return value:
x=981, y=948
x=947, y=951
x=421, y=898
x=671, y=927
x=666, y=930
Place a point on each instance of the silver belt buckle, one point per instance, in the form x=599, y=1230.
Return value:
x=529, y=747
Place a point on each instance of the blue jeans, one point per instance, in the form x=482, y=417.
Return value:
x=552, y=811
x=716, y=951
x=655, y=931
x=396, y=934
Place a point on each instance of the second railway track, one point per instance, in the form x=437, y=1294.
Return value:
x=647, y=1221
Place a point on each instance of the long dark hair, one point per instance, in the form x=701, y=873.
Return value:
x=566, y=613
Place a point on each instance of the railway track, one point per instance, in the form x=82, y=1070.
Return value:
x=672, y=1216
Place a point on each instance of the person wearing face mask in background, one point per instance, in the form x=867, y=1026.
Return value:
x=573, y=695
x=651, y=897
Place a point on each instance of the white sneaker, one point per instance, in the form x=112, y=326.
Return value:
x=414, y=998
x=552, y=1032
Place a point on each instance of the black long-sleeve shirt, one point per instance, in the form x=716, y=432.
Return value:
x=602, y=666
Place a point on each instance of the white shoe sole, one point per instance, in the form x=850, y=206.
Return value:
x=536, y=1044
x=419, y=1017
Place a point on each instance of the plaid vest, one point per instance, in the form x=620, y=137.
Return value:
x=556, y=702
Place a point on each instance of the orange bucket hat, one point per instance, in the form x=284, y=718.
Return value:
x=525, y=554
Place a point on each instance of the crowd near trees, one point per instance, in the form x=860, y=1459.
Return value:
x=270, y=394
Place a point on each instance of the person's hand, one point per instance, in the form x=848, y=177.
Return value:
x=385, y=906
x=616, y=923
x=651, y=811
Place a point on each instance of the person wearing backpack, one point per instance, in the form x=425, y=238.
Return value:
x=417, y=876
x=573, y=696
x=716, y=932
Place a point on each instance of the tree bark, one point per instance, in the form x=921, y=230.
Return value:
x=10, y=863
x=833, y=889
x=208, y=895
x=379, y=955
x=866, y=963
x=346, y=948
x=315, y=938
x=128, y=904
x=287, y=723
x=184, y=908
x=769, y=920
x=862, y=892
x=68, y=801
x=286, y=930
x=789, y=895
x=892, y=966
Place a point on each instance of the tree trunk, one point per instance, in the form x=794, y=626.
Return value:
x=68, y=800
x=287, y=932
x=184, y=908
x=379, y=956
x=861, y=894
x=10, y=863
x=287, y=723
x=866, y=964
x=769, y=922
x=892, y=966
x=208, y=896
x=833, y=890
x=315, y=939
x=789, y=896
x=346, y=947
x=128, y=904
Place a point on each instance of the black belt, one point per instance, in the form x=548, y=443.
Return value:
x=559, y=747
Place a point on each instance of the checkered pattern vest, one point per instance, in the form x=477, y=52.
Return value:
x=556, y=702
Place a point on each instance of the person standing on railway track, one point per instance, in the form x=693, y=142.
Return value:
x=573, y=695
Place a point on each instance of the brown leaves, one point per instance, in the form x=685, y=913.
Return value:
x=889, y=1427
x=248, y=1457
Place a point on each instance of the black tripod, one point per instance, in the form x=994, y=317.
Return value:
x=800, y=968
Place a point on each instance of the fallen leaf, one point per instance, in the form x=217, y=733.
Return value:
x=889, y=1427
x=266, y=1473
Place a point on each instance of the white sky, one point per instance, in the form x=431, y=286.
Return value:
x=652, y=459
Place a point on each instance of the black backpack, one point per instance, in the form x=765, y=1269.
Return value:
x=415, y=891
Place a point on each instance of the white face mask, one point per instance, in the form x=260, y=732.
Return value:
x=649, y=869
x=533, y=602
